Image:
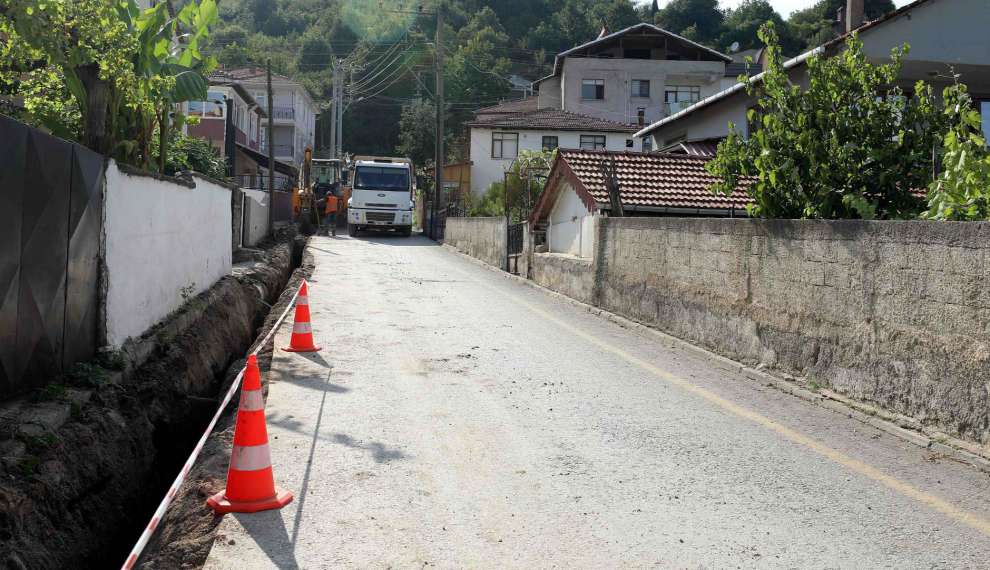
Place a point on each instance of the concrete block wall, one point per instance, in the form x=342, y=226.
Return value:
x=894, y=313
x=164, y=240
x=255, y=216
x=566, y=274
x=481, y=238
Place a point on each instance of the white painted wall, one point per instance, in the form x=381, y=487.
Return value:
x=485, y=170
x=571, y=225
x=255, y=216
x=159, y=238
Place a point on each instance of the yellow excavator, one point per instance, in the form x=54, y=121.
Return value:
x=318, y=177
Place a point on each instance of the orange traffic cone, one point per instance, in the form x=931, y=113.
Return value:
x=302, y=329
x=250, y=482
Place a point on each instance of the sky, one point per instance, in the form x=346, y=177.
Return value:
x=783, y=7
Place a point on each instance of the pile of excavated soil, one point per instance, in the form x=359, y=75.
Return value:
x=87, y=459
x=188, y=531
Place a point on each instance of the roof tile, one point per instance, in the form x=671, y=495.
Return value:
x=655, y=179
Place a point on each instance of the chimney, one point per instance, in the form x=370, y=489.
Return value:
x=854, y=14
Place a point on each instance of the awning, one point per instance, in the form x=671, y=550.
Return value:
x=262, y=159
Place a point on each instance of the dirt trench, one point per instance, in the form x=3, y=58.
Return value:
x=86, y=460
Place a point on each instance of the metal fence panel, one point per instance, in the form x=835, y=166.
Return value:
x=44, y=231
x=51, y=200
x=83, y=267
x=13, y=142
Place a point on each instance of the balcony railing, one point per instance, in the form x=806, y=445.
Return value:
x=284, y=113
x=280, y=149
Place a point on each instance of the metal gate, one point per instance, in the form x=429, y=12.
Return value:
x=51, y=200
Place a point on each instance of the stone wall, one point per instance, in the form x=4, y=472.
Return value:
x=894, y=313
x=566, y=274
x=481, y=238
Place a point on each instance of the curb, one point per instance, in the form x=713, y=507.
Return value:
x=903, y=427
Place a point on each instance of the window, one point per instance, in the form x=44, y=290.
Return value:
x=682, y=93
x=679, y=97
x=550, y=143
x=381, y=178
x=211, y=108
x=640, y=88
x=214, y=104
x=505, y=145
x=641, y=116
x=593, y=142
x=593, y=89
x=647, y=143
x=629, y=143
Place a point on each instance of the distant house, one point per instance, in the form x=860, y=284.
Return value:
x=635, y=76
x=945, y=37
x=498, y=134
x=293, y=116
x=599, y=93
x=231, y=120
x=650, y=184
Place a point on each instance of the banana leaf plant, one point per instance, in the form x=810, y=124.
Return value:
x=124, y=69
x=170, y=69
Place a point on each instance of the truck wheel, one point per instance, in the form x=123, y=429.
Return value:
x=352, y=230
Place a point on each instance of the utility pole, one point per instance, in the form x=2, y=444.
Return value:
x=333, y=114
x=271, y=151
x=438, y=160
x=340, y=111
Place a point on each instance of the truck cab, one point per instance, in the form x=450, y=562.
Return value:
x=382, y=195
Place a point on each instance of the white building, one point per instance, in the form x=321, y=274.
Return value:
x=945, y=37
x=497, y=137
x=294, y=112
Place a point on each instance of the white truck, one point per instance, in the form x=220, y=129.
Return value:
x=382, y=195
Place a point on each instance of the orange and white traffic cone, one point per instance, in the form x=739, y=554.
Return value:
x=302, y=329
x=250, y=481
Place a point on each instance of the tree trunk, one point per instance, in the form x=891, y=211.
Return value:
x=95, y=135
x=162, y=139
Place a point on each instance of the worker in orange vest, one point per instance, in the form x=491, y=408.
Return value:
x=330, y=213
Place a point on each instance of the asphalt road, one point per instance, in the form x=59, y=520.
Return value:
x=456, y=418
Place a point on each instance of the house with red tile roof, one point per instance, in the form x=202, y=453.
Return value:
x=650, y=184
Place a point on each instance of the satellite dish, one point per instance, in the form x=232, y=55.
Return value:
x=734, y=47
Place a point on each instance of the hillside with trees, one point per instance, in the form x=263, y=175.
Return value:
x=388, y=50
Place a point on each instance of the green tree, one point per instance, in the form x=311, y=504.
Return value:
x=523, y=182
x=850, y=145
x=417, y=131
x=742, y=24
x=703, y=16
x=962, y=190
x=814, y=25
x=119, y=67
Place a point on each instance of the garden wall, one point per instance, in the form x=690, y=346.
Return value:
x=481, y=238
x=165, y=240
x=895, y=313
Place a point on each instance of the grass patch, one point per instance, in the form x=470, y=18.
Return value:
x=87, y=374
